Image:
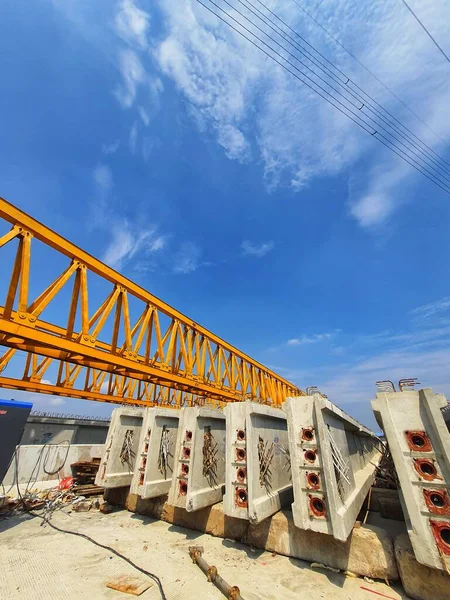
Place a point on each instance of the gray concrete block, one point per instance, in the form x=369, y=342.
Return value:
x=156, y=453
x=121, y=447
x=258, y=470
x=333, y=461
x=199, y=478
x=420, y=582
x=368, y=551
x=419, y=442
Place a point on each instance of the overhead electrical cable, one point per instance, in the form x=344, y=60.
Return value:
x=349, y=81
x=436, y=166
x=425, y=29
x=325, y=94
x=369, y=71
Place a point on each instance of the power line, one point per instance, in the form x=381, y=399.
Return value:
x=425, y=29
x=369, y=71
x=349, y=80
x=343, y=84
x=354, y=116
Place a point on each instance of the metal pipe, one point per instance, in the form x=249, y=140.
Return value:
x=230, y=592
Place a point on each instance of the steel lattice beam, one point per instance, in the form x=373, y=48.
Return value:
x=160, y=349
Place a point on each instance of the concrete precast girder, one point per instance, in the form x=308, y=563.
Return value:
x=156, y=453
x=121, y=448
x=419, y=442
x=199, y=467
x=258, y=470
x=333, y=460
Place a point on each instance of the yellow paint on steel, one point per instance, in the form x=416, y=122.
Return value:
x=182, y=355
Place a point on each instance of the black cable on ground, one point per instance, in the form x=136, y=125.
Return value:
x=152, y=576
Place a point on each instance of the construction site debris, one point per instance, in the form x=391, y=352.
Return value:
x=129, y=584
x=230, y=592
x=84, y=472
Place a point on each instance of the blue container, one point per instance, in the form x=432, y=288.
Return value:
x=13, y=416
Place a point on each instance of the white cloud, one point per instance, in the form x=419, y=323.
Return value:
x=144, y=116
x=127, y=240
x=103, y=178
x=257, y=250
x=357, y=383
x=133, y=74
x=110, y=148
x=312, y=339
x=132, y=23
x=187, y=258
x=56, y=401
x=431, y=310
x=258, y=110
x=133, y=137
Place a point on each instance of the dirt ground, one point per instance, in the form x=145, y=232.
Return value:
x=40, y=563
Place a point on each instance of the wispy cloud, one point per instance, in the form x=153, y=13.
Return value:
x=103, y=178
x=144, y=116
x=259, y=111
x=310, y=339
x=133, y=137
x=187, y=258
x=132, y=23
x=127, y=240
x=133, y=74
x=256, y=250
x=432, y=310
x=110, y=148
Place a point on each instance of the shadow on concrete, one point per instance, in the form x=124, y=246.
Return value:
x=337, y=579
x=8, y=520
x=190, y=534
x=249, y=551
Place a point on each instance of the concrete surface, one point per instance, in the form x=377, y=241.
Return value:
x=420, y=582
x=41, y=564
x=118, y=463
x=258, y=469
x=156, y=453
x=333, y=460
x=199, y=477
x=367, y=552
x=418, y=438
x=34, y=459
x=41, y=429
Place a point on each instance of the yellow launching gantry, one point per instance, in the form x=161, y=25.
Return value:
x=132, y=349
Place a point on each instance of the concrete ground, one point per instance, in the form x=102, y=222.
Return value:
x=40, y=563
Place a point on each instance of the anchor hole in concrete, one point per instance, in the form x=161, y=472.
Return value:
x=317, y=506
x=188, y=436
x=183, y=488
x=186, y=452
x=241, y=435
x=425, y=468
x=141, y=478
x=241, y=474
x=310, y=456
x=240, y=453
x=418, y=440
x=445, y=535
x=241, y=497
x=308, y=435
x=313, y=480
x=184, y=469
x=437, y=499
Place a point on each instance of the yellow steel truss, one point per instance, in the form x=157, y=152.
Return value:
x=160, y=358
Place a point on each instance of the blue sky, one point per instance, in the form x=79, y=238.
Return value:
x=159, y=141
